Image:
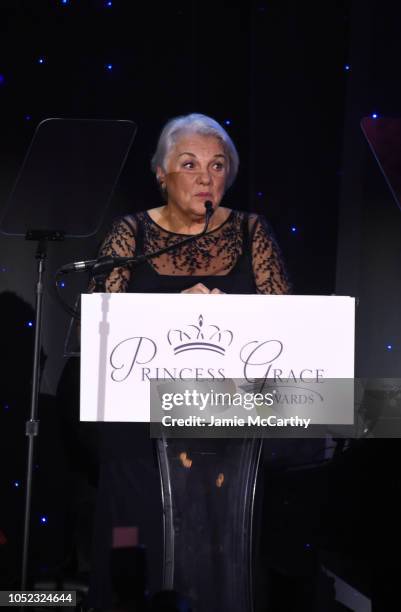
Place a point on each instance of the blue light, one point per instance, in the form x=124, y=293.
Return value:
x=374, y=115
x=347, y=67
x=30, y=324
x=4, y=269
x=6, y=407
x=2, y=79
x=64, y=1
x=307, y=546
x=389, y=347
x=16, y=484
x=43, y=520
x=260, y=193
x=109, y=66
x=293, y=229
x=27, y=117
x=109, y=3
x=227, y=122
x=41, y=60
x=62, y=284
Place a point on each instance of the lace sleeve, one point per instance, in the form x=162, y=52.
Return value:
x=267, y=263
x=119, y=242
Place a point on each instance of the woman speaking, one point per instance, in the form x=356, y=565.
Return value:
x=195, y=163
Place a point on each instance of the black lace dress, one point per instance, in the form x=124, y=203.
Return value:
x=239, y=256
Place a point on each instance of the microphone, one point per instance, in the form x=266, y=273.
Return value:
x=107, y=263
x=78, y=266
x=209, y=209
x=89, y=264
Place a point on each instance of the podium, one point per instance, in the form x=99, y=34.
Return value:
x=208, y=481
x=208, y=499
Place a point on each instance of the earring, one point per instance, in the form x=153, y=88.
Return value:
x=163, y=189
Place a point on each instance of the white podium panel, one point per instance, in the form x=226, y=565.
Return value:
x=129, y=339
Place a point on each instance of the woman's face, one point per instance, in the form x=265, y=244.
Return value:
x=196, y=171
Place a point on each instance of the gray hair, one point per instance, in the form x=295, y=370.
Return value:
x=198, y=124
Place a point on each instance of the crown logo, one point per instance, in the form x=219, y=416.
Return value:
x=200, y=338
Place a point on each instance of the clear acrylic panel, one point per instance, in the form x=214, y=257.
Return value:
x=68, y=176
x=384, y=137
x=208, y=496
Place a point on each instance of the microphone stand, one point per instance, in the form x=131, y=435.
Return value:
x=102, y=267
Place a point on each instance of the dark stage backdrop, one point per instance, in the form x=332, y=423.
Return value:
x=290, y=81
x=273, y=73
x=369, y=247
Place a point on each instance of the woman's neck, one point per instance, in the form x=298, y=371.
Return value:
x=172, y=221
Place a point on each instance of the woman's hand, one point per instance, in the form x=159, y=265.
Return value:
x=201, y=288
x=215, y=290
x=198, y=288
